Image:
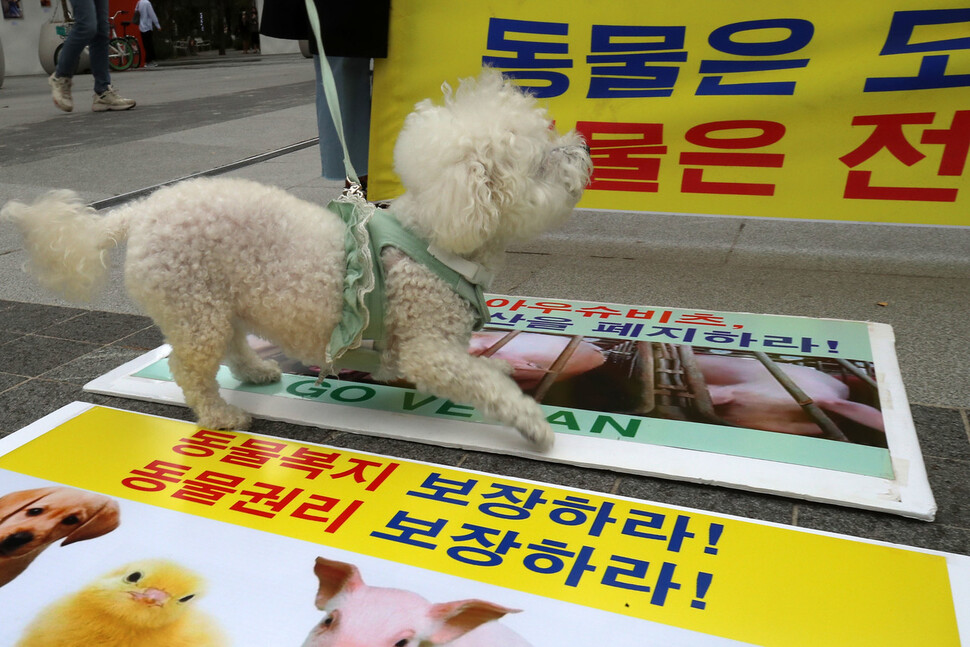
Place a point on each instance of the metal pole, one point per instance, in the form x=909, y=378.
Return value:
x=829, y=429
x=232, y=166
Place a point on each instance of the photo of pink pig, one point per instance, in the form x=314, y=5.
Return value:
x=358, y=615
x=746, y=394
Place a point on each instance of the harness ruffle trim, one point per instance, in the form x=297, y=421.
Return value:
x=359, y=278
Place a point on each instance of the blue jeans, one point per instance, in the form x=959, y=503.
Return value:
x=352, y=76
x=90, y=30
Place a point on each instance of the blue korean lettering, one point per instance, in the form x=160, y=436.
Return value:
x=635, y=571
x=525, y=64
x=573, y=512
x=489, y=553
x=550, y=557
x=515, y=505
x=622, y=57
x=621, y=329
x=408, y=527
x=800, y=33
x=549, y=323
x=438, y=488
x=932, y=70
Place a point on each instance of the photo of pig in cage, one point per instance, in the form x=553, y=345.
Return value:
x=822, y=397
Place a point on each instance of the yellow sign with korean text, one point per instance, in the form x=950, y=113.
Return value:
x=728, y=107
x=703, y=572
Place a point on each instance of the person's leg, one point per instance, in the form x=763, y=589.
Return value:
x=82, y=32
x=148, y=40
x=352, y=77
x=105, y=97
x=99, y=48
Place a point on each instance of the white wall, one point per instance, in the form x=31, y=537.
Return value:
x=21, y=37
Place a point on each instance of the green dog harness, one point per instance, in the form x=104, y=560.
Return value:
x=364, y=298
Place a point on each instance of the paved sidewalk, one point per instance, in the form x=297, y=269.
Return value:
x=193, y=118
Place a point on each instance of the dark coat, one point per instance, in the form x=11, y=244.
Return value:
x=355, y=28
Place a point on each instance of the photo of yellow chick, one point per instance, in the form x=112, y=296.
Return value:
x=143, y=604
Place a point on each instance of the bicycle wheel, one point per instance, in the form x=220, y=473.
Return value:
x=135, y=51
x=119, y=54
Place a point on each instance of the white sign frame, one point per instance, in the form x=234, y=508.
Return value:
x=907, y=493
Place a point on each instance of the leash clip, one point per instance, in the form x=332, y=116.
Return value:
x=354, y=191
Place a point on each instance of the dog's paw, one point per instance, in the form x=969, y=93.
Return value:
x=539, y=433
x=228, y=417
x=502, y=366
x=263, y=373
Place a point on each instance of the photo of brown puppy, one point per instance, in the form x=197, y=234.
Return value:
x=32, y=520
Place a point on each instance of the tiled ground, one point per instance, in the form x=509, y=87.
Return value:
x=47, y=354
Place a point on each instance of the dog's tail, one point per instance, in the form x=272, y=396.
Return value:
x=67, y=242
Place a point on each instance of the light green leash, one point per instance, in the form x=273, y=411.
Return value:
x=330, y=90
x=352, y=207
x=361, y=302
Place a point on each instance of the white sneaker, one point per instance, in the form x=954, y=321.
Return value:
x=111, y=100
x=61, y=92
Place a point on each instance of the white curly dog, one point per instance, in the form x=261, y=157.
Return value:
x=211, y=260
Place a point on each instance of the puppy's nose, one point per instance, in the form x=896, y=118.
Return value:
x=16, y=540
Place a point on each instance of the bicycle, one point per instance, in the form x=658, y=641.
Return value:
x=131, y=40
x=123, y=51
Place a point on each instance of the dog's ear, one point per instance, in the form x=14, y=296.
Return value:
x=335, y=578
x=465, y=205
x=11, y=503
x=105, y=519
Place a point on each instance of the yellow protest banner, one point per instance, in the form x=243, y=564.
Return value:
x=720, y=576
x=732, y=107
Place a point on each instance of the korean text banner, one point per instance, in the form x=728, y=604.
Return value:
x=714, y=575
x=804, y=110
